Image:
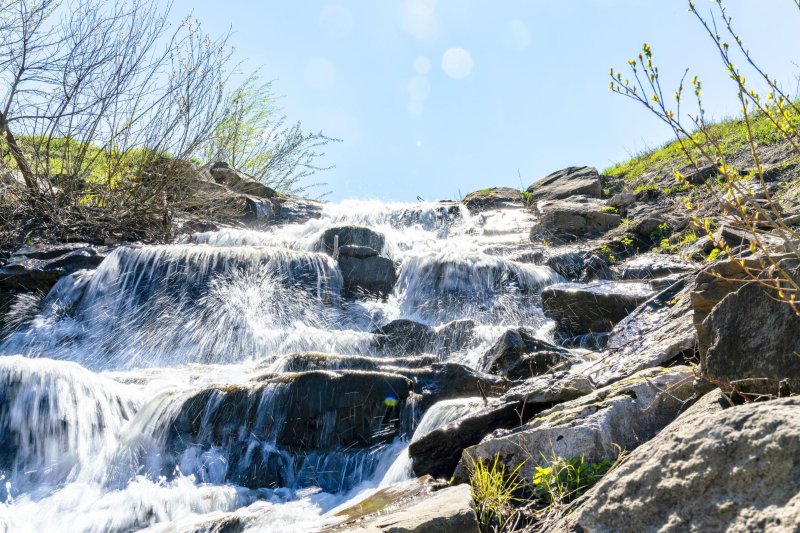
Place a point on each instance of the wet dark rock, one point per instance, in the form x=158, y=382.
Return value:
x=754, y=343
x=303, y=362
x=572, y=181
x=518, y=354
x=371, y=275
x=438, y=452
x=492, y=198
x=447, y=381
x=596, y=268
x=568, y=220
x=293, y=210
x=401, y=337
x=353, y=236
x=597, y=307
x=308, y=428
x=38, y=268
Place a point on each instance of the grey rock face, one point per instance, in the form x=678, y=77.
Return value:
x=572, y=219
x=754, y=343
x=595, y=427
x=593, y=308
x=403, y=336
x=572, y=181
x=735, y=470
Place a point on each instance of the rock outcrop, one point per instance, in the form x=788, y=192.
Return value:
x=596, y=427
x=572, y=181
x=39, y=267
x=712, y=469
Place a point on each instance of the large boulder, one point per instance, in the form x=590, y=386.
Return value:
x=568, y=220
x=712, y=469
x=593, y=308
x=352, y=240
x=438, y=452
x=658, y=333
x=370, y=275
x=448, y=381
x=518, y=354
x=223, y=174
x=596, y=427
x=572, y=181
x=493, y=198
x=39, y=267
x=754, y=343
x=318, y=428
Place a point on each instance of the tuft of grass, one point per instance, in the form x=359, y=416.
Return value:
x=493, y=491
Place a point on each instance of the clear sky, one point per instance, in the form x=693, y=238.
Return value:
x=436, y=98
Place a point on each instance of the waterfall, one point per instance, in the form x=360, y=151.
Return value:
x=228, y=376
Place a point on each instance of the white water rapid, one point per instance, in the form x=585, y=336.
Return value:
x=153, y=393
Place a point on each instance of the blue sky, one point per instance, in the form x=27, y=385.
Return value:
x=436, y=98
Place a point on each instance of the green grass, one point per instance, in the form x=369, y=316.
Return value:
x=731, y=135
x=493, y=491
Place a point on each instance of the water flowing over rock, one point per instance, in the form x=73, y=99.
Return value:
x=38, y=268
x=712, y=469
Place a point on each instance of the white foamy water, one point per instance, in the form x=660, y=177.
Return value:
x=147, y=392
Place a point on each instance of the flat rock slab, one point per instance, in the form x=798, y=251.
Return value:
x=712, y=469
x=446, y=511
x=654, y=334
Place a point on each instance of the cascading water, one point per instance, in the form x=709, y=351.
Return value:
x=175, y=384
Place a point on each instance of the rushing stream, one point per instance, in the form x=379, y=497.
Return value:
x=122, y=400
